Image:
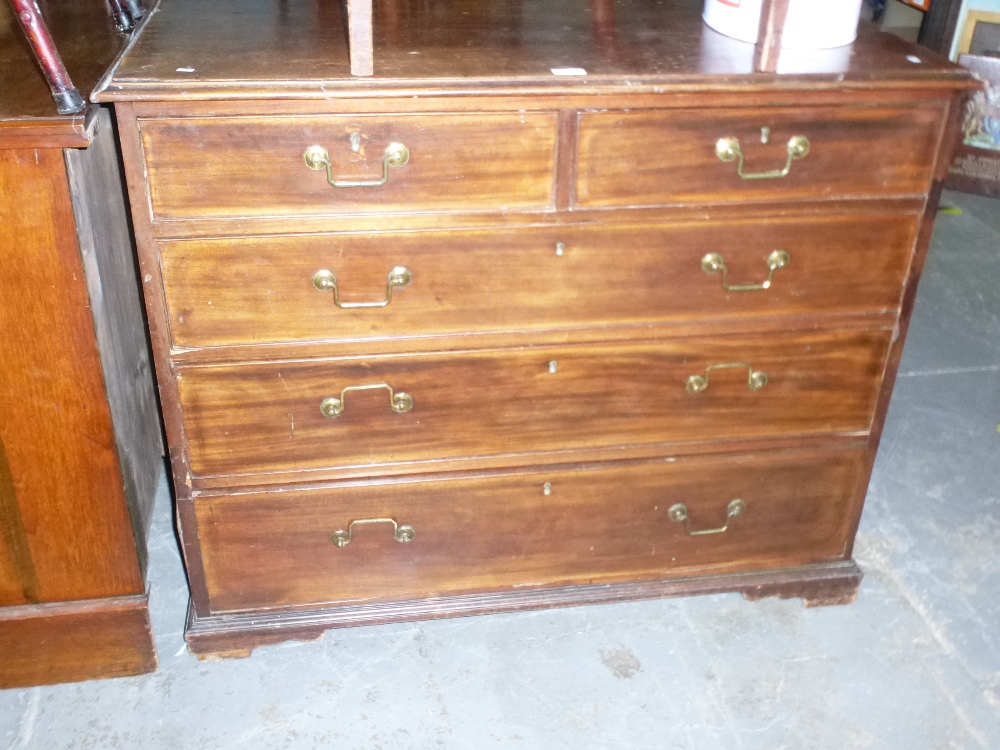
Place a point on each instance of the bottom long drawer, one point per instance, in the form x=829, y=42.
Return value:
x=406, y=539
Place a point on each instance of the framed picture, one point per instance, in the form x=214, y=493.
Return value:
x=976, y=168
x=981, y=34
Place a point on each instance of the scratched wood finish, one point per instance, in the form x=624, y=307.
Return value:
x=257, y=290
x=253, y=418
x=653, y=158
x=276, y=49
x=74, y=641
x=597, y=525
x=460, y=161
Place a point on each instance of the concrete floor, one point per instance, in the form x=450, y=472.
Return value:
x=914, y=664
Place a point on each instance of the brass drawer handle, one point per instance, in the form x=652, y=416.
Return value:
x=728, y=149
x=400, y=532
x=398, y=402
x=317, y=157
x=714, y=263
x=756, y=379
x=679, y=514
x=326, y=281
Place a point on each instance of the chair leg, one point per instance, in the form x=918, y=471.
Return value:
x=135, y=9
x=67, y=98
x=123, y=19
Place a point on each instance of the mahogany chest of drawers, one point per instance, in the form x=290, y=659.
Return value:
x=468, y=336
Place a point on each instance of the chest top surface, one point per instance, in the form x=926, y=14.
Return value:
x=239, y=49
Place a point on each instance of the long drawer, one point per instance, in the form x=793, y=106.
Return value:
x=201, y=167
x=720, y=156
x=420, y=538
x=246, y=419
x=342, y=286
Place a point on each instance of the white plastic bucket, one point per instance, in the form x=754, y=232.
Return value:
x=811, y=24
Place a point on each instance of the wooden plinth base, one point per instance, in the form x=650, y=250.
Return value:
x=43, y=644
x=236, y=635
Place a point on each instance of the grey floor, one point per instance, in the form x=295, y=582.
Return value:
x=914, y=664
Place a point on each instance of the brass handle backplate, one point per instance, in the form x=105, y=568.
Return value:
x=679, y=514
x=756, y=379
x=317, y=157
x=714, y=263
x=728, y=149
x=398, y=402
x=326, y=281
x=402, y=533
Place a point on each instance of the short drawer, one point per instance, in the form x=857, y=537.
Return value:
x=215, y=167
x=402, y=410
x=341, y=286
x=673, y=157
x=422, y=538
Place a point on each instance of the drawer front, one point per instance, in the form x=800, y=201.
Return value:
x=261, y=290
x=254, y=166
x=500, y=532
x=670, y=157
x=266, y=417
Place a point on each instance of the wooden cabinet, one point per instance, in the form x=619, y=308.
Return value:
x=467, y=336
x=80, y=447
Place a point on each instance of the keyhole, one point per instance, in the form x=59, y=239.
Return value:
x=553, y=367
x=765, y=135
x=547, y=489
x=355, y=142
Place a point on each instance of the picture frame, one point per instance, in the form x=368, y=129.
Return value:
x=976, y=164
x=980, y=29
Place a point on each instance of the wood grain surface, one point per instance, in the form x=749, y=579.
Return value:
x=247, y=419
x=257, y=290
x=525, y=366
x=55, y=421
x=597, y=525
x=254, y=166
x=654, y=158
x=277, y=49
x=73, y=641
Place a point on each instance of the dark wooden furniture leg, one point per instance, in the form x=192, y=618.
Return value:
x=772, y=26
x=68, y=99
x=360, y=37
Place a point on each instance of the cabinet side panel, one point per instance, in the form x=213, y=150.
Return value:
x=109, y=264
x=55, y=422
